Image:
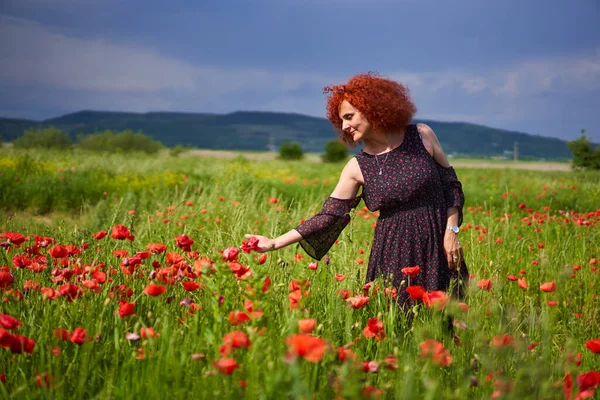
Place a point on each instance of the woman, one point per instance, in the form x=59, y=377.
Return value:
x=404, y=174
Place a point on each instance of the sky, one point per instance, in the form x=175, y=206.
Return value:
x=528, y=66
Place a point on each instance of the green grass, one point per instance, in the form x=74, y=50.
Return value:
x=215, y=202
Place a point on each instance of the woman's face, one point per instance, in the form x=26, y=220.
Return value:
x=354, y=123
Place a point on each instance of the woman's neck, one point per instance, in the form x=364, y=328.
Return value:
x=383, y=142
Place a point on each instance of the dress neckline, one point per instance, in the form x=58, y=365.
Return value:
x=390, y=151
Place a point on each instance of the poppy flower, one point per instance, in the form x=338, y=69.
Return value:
x=234, y=340
x=370, y=366
x=345, y=354
x=411, y=272
x=241, y=271
x=588, y=380
x=593, y=345
x=154, y=289
x=552, y=303
x=374, y=329
x=6, y=280
x=100, y=235
x=174, y=258
x=501, y=341
x=436, y=299
x=226, y=366
x=156, y=248
x=250, y=245
x=184, y=242
x=262, y=259
x=13, y=237
x=79, y=336
x=522, y=282
x=266, y=284
x=21, y=261
x=191, y=286
x=548, y=287
x=58, y=251
x=309, y=347
x=61, y=334
x=121, y=232
x=307, y=325
x=8, y=322
x=340, y=277
x=49, y=293
x=416, y=292
x=485, y=284
x=435, y=350
x=147, y=333
x=512, y=278
x=126, y=309
x=358, y=301
x=344, y=293
x=313, y=265
x=238, y=317
x=231, y=254
x=70, y=291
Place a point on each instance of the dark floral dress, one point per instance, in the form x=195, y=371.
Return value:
x=412, y=195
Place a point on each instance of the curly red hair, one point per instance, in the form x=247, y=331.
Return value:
x=385, y=103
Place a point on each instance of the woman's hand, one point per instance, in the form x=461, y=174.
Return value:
x=264, y=242
x=453, y=249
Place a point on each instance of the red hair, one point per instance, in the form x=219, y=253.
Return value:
x=386, y=104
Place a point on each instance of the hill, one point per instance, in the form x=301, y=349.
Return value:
x=246, y=130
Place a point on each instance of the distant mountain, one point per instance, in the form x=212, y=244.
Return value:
x=248, y=130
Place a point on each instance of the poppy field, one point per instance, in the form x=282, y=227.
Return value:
x=129, y=276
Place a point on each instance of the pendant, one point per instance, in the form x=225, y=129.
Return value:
x=380, y=171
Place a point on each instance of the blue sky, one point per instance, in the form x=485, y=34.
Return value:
x=530, y=66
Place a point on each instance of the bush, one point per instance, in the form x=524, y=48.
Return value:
x=125, y=141
x=584, y=156
x=290, y=151
x=50, y=137
x=335, y=151
x=177, y=150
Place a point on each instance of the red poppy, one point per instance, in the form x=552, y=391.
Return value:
x=49, y=293
x=8, y=322
x=16, y=343
x=588, y=380
x=309, y=347
x=234, y=340
x=340, y=277
x=548, y=287
x=313, y=265
x=593, y=345
x=374, y=329
x=552, y=303
x=79, y=336
x=58, y=251
x=154, y=290
x=120, y=253
x=416, y=292
x=184, y=242
x=501, y=341
x=226, y=366
x=262, y=259
x=522, y=283
x=190, y=286
x=437, y=352
x=238, y=317
x=15, y=238
x=231, y=254
x=512, y=278
x=241, y=271
x=100, y=235
x=307, y=325
x=358, y=301
x=70, y=291
x=345, y=354
x=370, y=366
x=266, y=284
x=411, y=272
x=121, y=232
x=156, y=248
x=174, y=258
x=126, y=309
x=250, y=245
x=436, y=299
x=147, y=333
x=6, y=280
x=61, y=334
x=485, y=284
x=21, y=261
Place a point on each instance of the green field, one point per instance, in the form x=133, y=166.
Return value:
x=223, y=332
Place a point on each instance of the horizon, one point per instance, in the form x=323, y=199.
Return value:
x=498, y=64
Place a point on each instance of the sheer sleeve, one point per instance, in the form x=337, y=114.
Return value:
x=453, y=193
x=320, y=232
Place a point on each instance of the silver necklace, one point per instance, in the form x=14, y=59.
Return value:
x=383, y=163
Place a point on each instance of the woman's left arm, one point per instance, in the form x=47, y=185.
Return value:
x=453, y=194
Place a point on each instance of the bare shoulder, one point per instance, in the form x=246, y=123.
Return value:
x=433, y=145
x=352, y=170
x=428, y=136
x=350, y=180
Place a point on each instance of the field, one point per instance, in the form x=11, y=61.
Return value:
x=122, y=277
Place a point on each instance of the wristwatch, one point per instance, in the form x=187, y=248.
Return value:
x=453, y=228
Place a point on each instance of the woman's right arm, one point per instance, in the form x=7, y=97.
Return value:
x=346, y=189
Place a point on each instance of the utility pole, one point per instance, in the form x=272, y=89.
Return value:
x=516, y=151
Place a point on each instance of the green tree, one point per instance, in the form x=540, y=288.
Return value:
x=290, y=151
x=48, y=138
x=126, y=141
x=335, y=151
x=584, y=155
